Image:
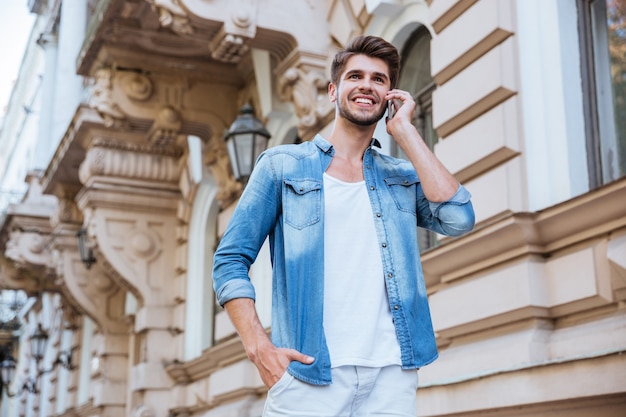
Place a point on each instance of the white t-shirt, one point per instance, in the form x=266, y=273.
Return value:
x=357, y=320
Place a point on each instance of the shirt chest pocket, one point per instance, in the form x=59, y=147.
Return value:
x=403, y=191
x=302, y=202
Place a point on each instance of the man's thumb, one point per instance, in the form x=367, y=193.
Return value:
x=301, y=357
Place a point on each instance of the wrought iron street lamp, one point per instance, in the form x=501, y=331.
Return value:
x=38, y=342
x=7, y=369
x=85, y=252
x=245, y=139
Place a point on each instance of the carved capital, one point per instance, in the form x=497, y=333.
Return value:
x=306, y=86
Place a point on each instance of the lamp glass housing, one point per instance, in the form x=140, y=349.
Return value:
x=85, y=252
x=245, y=140
x=38, y=342
x=7, y=370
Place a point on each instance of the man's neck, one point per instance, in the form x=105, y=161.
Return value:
x=350, y=140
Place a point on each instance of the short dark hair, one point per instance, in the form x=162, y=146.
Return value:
x=372, y=46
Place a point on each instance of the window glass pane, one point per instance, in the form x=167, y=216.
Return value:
x=616, y=25
x=608, y=31
x=415, y=71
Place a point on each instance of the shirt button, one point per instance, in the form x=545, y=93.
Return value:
x=372, y=187
x=406, y=181
x=396, y=307
x=384, y=245
x=389, y=275
x=378, y=214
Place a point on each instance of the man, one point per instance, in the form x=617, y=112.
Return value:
x=350, y=316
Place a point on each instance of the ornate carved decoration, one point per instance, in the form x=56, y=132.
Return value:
x=166, y=129
x=172, y=16
x=32, y=279
x=116, y=159
x=137, y=86
x=230, y=44
x=28, y=247
x=135, y=249
x=304, y=84
x=93, y=291
x=101, y=98
x=216, y=158
x=25, y=236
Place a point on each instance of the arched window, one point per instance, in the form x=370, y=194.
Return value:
x=416, y=78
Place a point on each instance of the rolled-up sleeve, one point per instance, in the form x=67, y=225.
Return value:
x=248, y=228
x=455, y=216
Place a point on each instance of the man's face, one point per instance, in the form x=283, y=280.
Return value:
x=362, y=87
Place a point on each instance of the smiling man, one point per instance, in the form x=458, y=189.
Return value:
x=350, y=317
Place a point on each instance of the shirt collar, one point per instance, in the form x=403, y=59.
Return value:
x=326, y=146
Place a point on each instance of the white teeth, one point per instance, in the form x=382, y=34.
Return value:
x=364, y=100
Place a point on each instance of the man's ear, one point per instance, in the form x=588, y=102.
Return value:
x=332, y=92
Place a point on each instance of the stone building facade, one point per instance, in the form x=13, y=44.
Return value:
x=517, y=99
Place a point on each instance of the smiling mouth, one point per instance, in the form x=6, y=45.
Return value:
x=364, y=101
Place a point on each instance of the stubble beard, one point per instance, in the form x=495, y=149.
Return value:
x=360, y=120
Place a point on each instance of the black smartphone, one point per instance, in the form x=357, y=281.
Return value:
x=391, y=109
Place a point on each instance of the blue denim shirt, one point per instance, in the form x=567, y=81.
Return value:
x=284, y=200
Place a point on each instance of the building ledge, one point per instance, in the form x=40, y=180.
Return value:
x=542, y=233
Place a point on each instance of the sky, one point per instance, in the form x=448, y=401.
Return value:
x=15, y=25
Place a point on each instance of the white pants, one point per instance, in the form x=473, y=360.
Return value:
x=356, y=391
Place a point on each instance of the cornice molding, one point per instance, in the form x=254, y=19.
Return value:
x=596, y=213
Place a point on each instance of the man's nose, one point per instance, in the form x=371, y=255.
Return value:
x=366, y=83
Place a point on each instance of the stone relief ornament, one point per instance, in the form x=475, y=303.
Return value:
x=101, y=98
x=166, y=127
x=137, y=86
x=307, y=89
x=217, y=160
x=172, y=16
x=28, y=247
x=230, y=44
